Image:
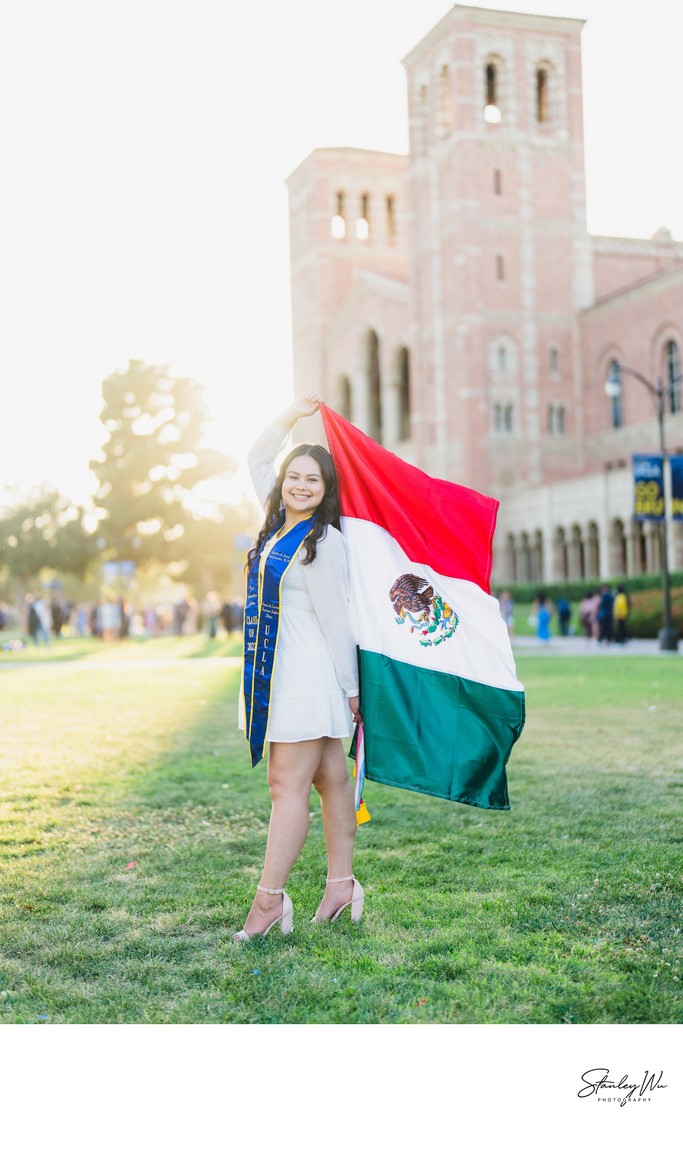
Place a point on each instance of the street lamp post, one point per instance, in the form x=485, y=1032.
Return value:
x=668, y=636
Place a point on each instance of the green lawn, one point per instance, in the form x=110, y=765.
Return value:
x=170, y=647
x=564, y=909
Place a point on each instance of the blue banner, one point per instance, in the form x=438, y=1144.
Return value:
x=116, y=569
x=676, y=486
x=648, y=487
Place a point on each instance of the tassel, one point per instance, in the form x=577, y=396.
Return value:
x=362, y=812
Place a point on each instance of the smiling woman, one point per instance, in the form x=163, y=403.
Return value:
x=300, y=687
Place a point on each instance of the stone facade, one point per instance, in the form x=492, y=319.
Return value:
x=453, y=304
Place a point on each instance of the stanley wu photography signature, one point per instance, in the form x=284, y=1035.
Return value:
x=598, y=1080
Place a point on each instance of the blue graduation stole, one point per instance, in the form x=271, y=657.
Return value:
x=261, y=624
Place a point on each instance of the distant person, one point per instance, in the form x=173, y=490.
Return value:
x=621, y=613
x=564, y=615
x=32, y=620
x=543, y=616
x=96, y=620
x=507, y=610
x=110, y=614
x=56, y=618
x=211, y=611
x=181, y=611
x=587, y=614
x=605, y=615
x=125, y=616
x=226, y=617
x=81, y=620
x=596, y=604
x=43, y=617
x=165, y=616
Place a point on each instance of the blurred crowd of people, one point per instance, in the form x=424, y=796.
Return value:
x=46, y=617
x=603, y=615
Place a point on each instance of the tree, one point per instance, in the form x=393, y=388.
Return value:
x=152, y=462
x=45, y=530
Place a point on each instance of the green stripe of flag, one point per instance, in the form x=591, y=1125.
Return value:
x=436, y=733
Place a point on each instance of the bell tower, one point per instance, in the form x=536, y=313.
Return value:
x=500, y=256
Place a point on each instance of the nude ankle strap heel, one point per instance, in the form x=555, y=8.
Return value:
x=355, y=902
x=285, y=918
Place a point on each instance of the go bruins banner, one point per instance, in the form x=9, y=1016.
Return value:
x=648, y=487
x=676, y=486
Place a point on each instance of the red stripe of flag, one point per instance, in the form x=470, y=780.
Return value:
x=447, y=527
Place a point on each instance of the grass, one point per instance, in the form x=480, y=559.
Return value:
x=564, y=910
x=168, y=647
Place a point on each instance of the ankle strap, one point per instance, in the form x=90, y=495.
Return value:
x=271, y=889
x=346, y=879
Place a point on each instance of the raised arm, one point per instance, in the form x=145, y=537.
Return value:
x=262, y=454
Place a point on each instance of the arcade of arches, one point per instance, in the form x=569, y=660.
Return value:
x=379, y=406
x=578, y=552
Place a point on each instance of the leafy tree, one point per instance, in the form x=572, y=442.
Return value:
x=45, y=530
x=153, y=460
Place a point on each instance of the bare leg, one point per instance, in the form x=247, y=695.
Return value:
x=333, y=783
x=291, y=768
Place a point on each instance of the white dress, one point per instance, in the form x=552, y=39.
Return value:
x=316, y=664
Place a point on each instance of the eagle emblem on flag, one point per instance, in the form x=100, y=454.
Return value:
x=415, y=603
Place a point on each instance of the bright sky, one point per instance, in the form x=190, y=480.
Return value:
x=143, y=210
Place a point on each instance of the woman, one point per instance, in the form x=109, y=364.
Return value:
x=543, y=617
x=300, y=692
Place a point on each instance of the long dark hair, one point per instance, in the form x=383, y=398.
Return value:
x=327, y=512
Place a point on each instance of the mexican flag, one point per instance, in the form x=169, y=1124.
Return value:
x=442, y=706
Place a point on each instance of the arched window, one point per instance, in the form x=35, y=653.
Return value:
x=673, y=375
x=542, y=116
x=374, y=388
x=445, y=125
x=497, y=182
x=592, y=552
x=500, y=267
x=639, y=547
x=404, y=394
x=344, y=397
x=511, y=557
x=363, y=221
x=491, y=106
x=503, y=418
x=561, y=554
x=339, y=217
x=618, y=551
x=390, y=208
x=537, y=558
x=616, y=411
x=554, y=361
x=556, y=423
x=502, y=358
x=577, y=555
x=525, y=557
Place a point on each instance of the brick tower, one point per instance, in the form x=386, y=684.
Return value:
x=500, y=259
